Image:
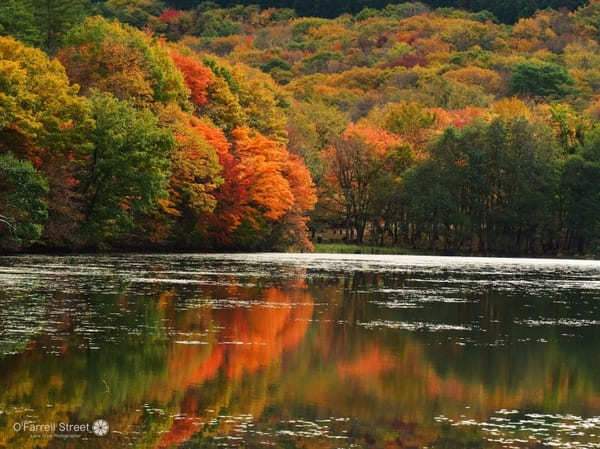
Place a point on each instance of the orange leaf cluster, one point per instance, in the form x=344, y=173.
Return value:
x=198, y=78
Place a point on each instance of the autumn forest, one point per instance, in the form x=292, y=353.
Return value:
x=458, y=127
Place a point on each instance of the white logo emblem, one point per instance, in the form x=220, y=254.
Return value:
x=100, y=427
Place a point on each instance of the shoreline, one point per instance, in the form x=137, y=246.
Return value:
x=319, y=248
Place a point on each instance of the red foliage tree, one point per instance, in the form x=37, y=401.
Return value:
x=169, y=15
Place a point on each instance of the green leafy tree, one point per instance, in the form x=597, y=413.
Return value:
x=128, y=169
x=541, y=79
x=17, y=19
x=22, y=204
x=55, y=17
x=581, y=196
x=133, y=12
x=489, y=186
x=215, y=23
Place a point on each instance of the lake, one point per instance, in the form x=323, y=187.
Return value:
x=299, y=351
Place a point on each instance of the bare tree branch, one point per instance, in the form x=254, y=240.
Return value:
x=6, y=220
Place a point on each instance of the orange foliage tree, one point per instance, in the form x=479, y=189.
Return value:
x=198, y=78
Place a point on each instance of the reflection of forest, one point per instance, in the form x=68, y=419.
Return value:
x=163, y=369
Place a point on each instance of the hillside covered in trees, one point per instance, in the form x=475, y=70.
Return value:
x=130, y=124
x=508, y=11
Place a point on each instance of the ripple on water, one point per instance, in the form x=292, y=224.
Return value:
x=514, y=429
x=563, y=322
x=413, y=326
x=458, y=287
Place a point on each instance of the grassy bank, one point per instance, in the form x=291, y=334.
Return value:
x=341, y=248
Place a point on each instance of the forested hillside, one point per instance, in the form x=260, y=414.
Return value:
x=507, y=11
x=130, y=124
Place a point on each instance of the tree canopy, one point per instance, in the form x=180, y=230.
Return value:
x=507, y=11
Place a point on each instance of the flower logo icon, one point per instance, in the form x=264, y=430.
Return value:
x=100, y=427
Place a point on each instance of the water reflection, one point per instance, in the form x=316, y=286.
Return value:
x=300, y=351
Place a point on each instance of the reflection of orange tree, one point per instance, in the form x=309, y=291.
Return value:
x=251, y=341
x=163, y=375
x=391, y=381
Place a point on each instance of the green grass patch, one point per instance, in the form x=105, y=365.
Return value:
x=341, y=248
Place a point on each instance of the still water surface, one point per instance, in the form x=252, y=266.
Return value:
x=306, y=351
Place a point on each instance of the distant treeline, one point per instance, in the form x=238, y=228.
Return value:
x=508, y=11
